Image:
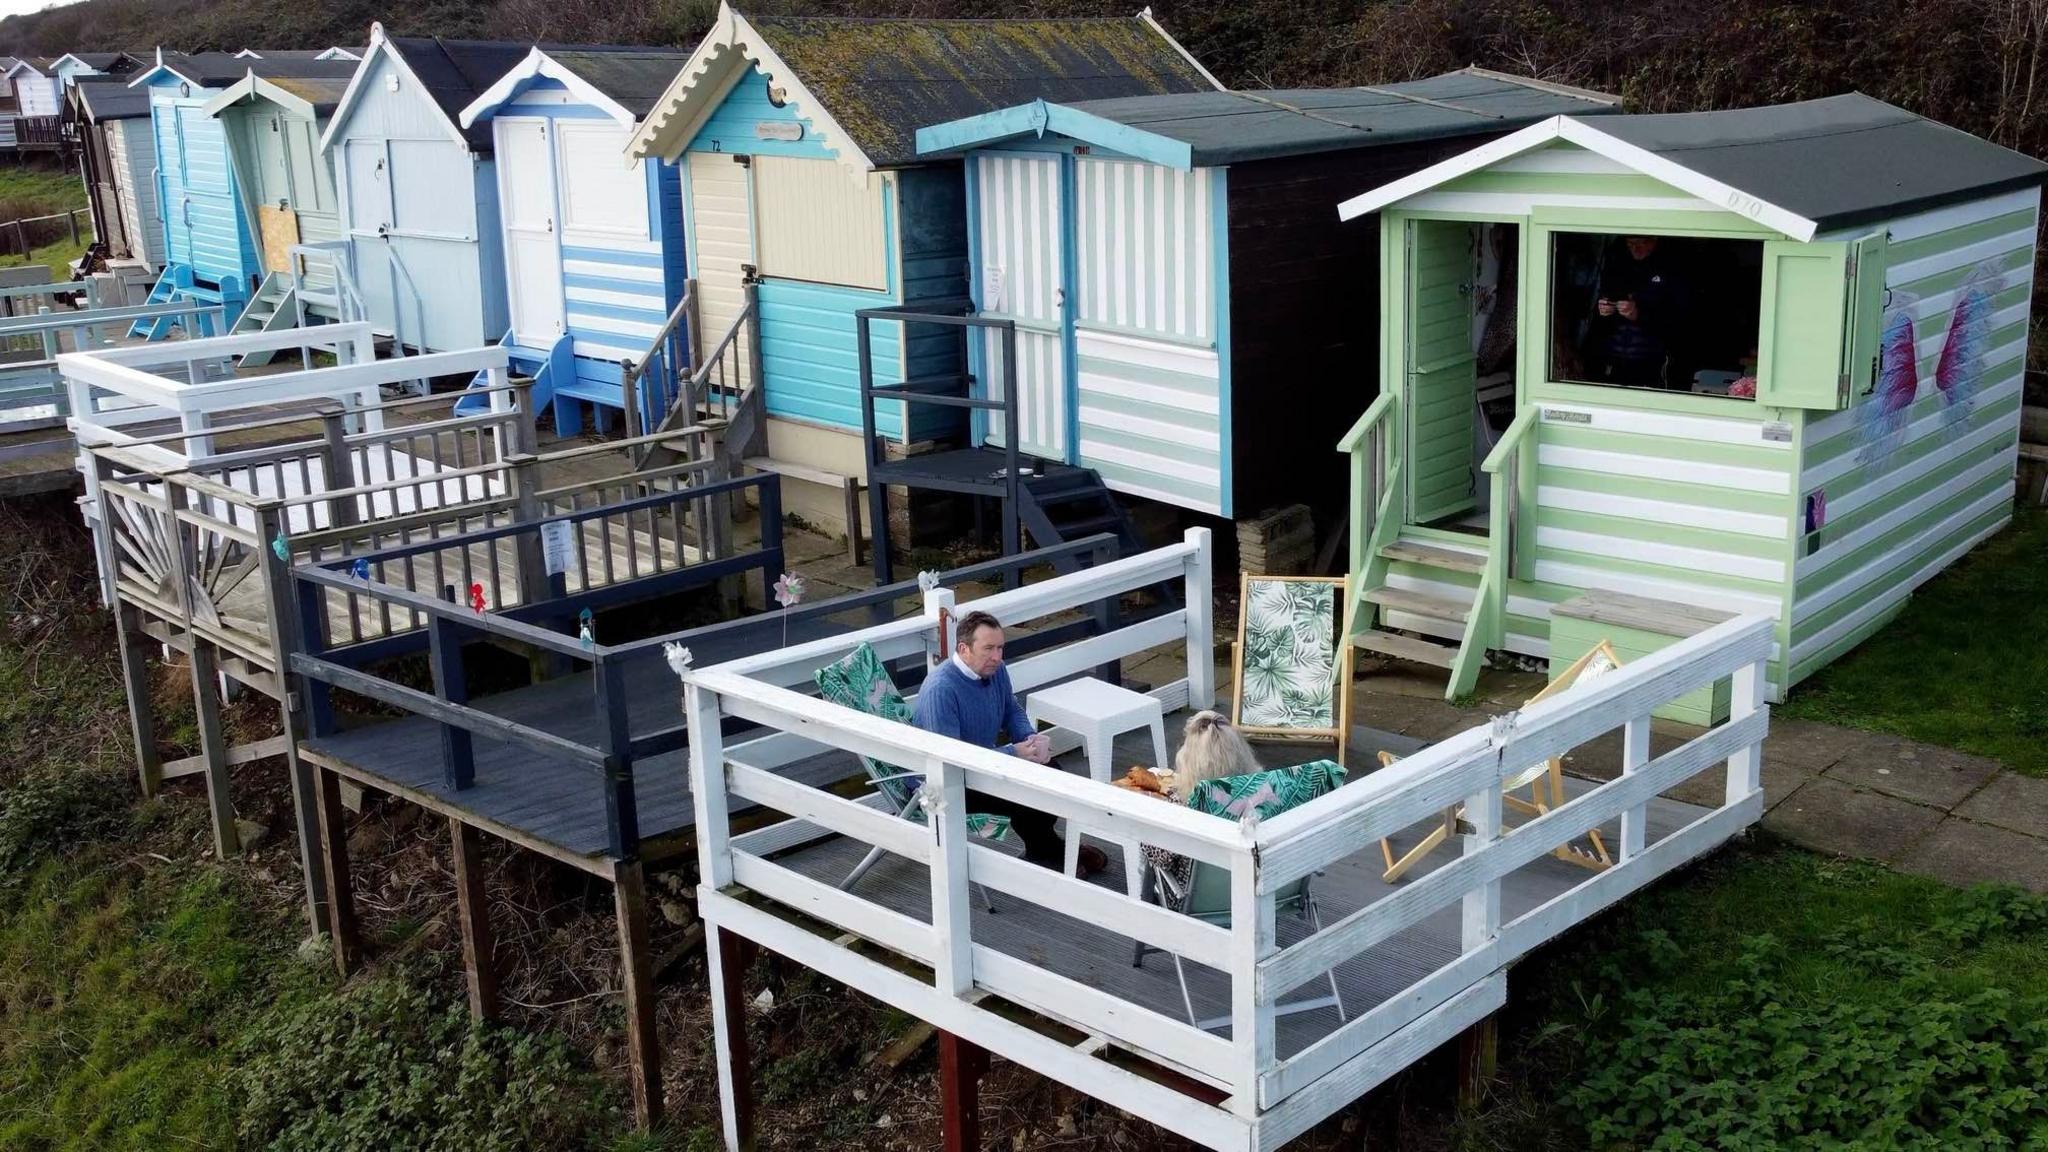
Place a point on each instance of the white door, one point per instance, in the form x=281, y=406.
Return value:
x=526, y=189
x=1023, y=278
x=722, y=245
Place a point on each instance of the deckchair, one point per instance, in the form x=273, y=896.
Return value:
x=860, y=681
x=1544, y=780
x=1291, y=677
x=1205, y=894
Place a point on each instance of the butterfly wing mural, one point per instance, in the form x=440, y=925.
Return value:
x=1883, y=417
x=1961, y=365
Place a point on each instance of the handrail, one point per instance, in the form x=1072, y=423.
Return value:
x=1510, y=441
x=1374, y=413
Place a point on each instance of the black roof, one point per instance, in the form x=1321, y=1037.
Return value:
x=456, y=72
x=104, y=61
x=1838, y=161
x=635, y=77
x=110, y=99
x=882, y=80
x=1234, y=127
x=220, y=69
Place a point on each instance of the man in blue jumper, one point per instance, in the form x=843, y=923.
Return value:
x=969, y=698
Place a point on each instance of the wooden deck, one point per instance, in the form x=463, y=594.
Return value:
x=1099, y=957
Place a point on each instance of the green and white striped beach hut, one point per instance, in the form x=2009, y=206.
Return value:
x=1817, y=411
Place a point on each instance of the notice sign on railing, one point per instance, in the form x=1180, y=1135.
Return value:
x=558, y=547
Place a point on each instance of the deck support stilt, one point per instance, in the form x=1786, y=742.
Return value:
x=306, y=815
x=726, y=964
x=643, y=1047
x=206, y=699
x=961, y=1067
x=1478, y=1054
x=341, y=898
x=135, y=647
x=479, y=960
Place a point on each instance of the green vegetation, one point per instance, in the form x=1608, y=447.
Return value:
x=28, y=191
x=1963, y=665
x=1772, y=999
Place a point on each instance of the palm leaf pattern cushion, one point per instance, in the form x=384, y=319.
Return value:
x=1290, y=659
x=860, y=681
x=1267, y=793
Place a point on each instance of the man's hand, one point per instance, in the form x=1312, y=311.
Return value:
x=1627, y=308
x=1036, y=748
x=1606, y=307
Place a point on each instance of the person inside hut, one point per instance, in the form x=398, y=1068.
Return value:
x=969, y=698
x=1637, y=307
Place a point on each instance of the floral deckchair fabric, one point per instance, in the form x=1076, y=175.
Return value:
x=1267, y=793
x=1292, y=678
x=861, y=682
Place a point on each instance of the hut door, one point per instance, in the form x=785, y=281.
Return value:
x=721, y=246
x=1442, y=378
x=1023, y=276
x=533, y=274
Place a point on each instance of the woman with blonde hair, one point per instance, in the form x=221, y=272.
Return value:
x=1210, y=749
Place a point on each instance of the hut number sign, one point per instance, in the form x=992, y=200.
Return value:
x=789, y=131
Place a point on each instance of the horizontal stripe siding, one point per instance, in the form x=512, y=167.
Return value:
x=807, y=350
x=1143, y=236
x=1902, y=508
x=611, y=270
x=1149, y=418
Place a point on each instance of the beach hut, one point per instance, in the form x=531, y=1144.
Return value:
x=594, y=256
x=1765, y=360
x=803, y=187
x=1185, y=302
x=419, y=193
x=74, y=66
x=287, y=189
x=35, y=88
x=118, y=160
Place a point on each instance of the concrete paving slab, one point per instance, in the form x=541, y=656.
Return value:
x=1830, y=816
x=1922, y=773
x=2011, y=801
x=1805, y=743
x=1962, y=853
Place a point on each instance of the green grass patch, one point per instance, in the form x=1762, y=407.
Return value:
x=1964, y=665
x=27, y=191
x=1775, y=999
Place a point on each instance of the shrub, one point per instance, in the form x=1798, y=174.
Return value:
x=384, y=1066
x=46, y=813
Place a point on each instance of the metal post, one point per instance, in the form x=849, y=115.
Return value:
x=1012, y=537
x=871, y=449
x=753, y=353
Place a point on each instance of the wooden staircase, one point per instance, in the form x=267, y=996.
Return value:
x=273, y=307
x=1426, y=616
x=1066, y=503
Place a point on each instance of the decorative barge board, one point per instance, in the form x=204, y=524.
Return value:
x=118, y=156
x=594, y=250
x=1185, y=304
x=1834, y=421
x=1415, y=965
x=211, y=248
x=418, y=193
x=801, y=177
x=586, y=767
x=273, y=128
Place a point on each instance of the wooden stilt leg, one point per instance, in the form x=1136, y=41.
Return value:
x=726, y=961
x=1478, y=1051
x=227, y=839
x=306, y=814
x=478, y=959
x=135, y=679
x=961, y=1065
x=643, y=1047
x=341, y=906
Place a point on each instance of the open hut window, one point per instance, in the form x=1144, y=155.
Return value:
x=1667, y=313
x=814, y=222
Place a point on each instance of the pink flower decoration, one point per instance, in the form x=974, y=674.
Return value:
x=1745, y=387
x=789, y=590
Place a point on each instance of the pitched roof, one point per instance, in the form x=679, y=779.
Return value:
x=455, y=71
x=1216, y=128
x=867, y=86
x=1805, y=168
x=882, y=80
x=110, y=99
x=634, y=77
x=1838, y=161
x=102, y=61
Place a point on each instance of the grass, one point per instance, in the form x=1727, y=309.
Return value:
x=1771, y=998
x=1964, y=665
x=26, y=191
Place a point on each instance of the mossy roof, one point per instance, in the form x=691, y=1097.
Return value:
x=882, y=80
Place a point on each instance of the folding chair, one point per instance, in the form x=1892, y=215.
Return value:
x=1291, y=675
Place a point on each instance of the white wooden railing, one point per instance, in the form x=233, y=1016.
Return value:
x=1267, y=1099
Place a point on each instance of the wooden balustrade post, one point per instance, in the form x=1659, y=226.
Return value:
x=339, y=467
x=952, y=925
x=1745, y=698
x=962, y=1064
x=1200, y=611
x=181, y=545
x=726, y=956
x=288, y=630
x=444, y=659
x=1635, y=752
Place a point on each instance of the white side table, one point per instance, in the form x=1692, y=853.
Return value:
x=1099, y=712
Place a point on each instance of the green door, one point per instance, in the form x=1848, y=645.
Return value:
x=1442, y=378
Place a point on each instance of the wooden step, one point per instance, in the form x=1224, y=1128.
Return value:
x=1419, y=603
x=1406, y=647
x=1435, y=556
